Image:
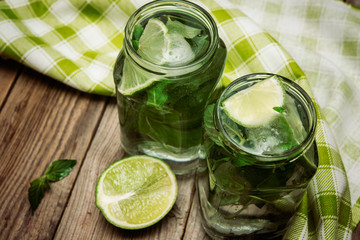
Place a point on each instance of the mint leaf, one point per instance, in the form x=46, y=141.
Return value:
x=279, y=109
x=157, y=96
x=200, y=44
x=58, y=170
x=37, y=190
x=182, y=29
x=135, y=44
x=241, y=161
x=286, y=146
x=138, y=30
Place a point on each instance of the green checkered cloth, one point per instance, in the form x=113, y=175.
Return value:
x=77, y=42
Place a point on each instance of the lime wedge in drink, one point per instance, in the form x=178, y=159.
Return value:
x=134, y=79
x=255, y=105
x=161, y=47
x=136, y=192
x=154, y=43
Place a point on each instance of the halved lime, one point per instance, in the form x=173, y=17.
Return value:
x=154, y=43
x=136, y=192
x=254, y=106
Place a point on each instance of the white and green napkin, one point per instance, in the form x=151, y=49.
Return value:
x=315, y=43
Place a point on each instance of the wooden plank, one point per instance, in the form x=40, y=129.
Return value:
x=82, y=220
x=356, y=233
x=194, y=229
x=8, y=71
x=41, y=121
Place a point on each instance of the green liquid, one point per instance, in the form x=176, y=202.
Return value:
x=193, y=33
x=251, y=200
x=165, y=118
x=242, y=197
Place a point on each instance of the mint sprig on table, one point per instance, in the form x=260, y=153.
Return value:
x=58, y=170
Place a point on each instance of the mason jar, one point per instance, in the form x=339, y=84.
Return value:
x=253, y=178
x=164, y=78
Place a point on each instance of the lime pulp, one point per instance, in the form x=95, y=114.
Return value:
x=136, y=192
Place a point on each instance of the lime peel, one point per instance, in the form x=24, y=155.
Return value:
x=136, y=192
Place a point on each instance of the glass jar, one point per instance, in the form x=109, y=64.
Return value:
x=161, y=101
x=245, y=193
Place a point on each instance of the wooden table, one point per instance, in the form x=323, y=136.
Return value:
x=43, y=120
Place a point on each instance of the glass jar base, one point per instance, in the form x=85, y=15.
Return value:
x=216, y=236
x=231, y=221
x=181, y=162
x=182, y=168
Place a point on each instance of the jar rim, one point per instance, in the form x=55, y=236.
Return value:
x=288, y=155
x=211, y=25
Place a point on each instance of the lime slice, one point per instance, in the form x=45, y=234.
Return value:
x=136, y=192
x=254, y=106
x=135, y=79
x=157, y=45
x=154, y=43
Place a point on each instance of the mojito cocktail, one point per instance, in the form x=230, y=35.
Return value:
x=171, y=62
x=260, y=157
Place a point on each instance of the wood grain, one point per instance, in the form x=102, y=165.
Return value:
x=82, y=220
x=41, y=121
x=356, y=233
x=194, y=230
x=8, y=72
